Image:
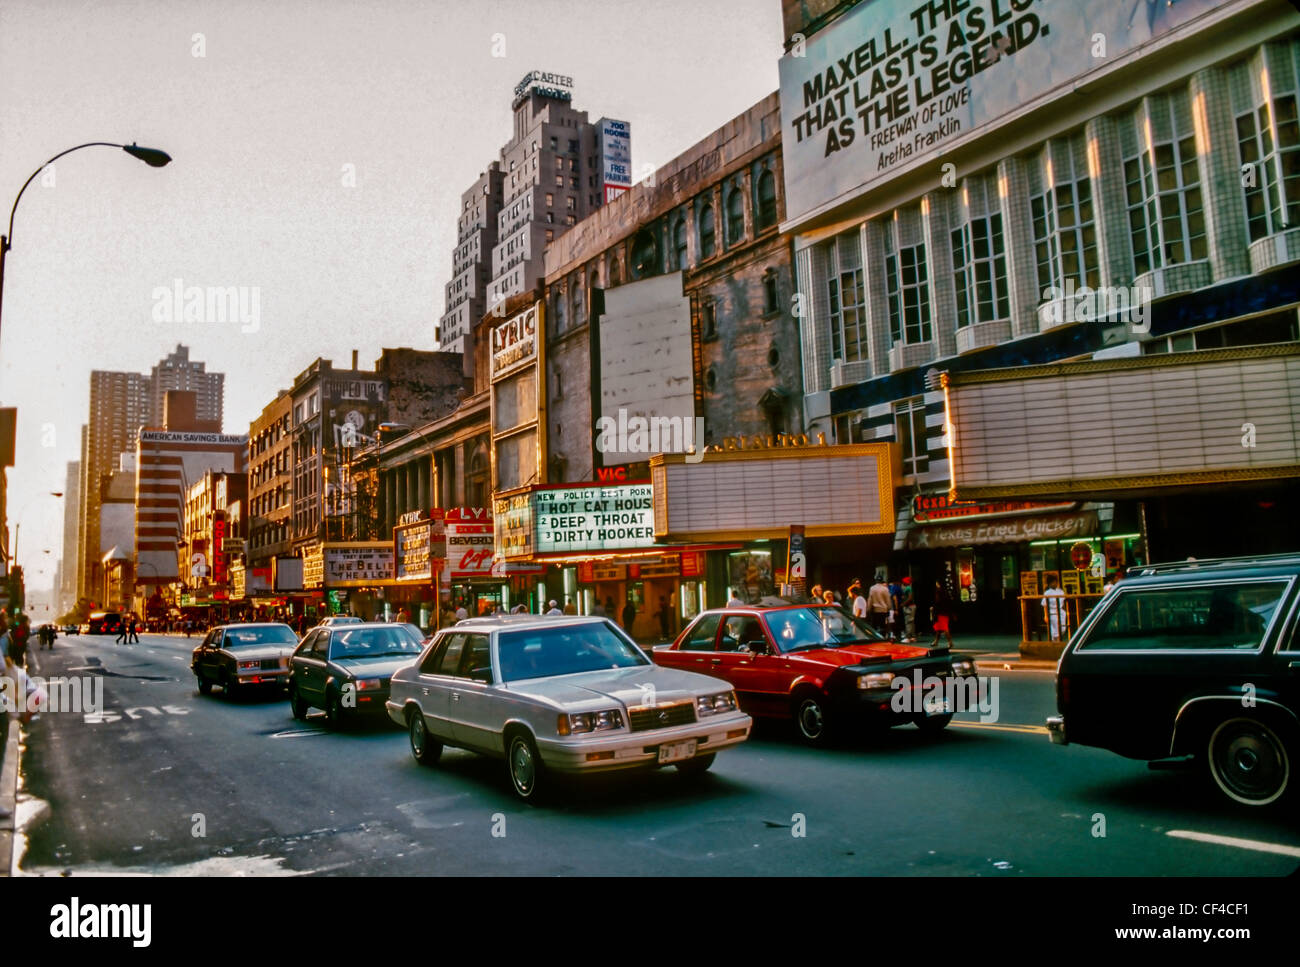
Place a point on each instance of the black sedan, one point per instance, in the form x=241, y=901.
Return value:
x=346, y=669
x=242, y=655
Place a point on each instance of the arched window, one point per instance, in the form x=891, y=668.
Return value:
x=735, y=217
x=613, y=272
x=708, y=232
x=577, y=301
x=679, y=244
x=557, y=313
x=645, y=255
x=476, y=478
x=766, y=200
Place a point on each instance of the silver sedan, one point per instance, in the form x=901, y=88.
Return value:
x=556, y=694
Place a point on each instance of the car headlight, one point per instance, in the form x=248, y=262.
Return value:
x=963, y=667
x=713, y=704
x=246, y=666
x=578, y=722
x=875, y=680
x=369, y=684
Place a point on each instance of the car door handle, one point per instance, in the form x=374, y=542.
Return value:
x=426, y=691
x=455, y=696
x=716, y=661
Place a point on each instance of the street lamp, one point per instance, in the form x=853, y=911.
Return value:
x=18, y=526
x=150, y=156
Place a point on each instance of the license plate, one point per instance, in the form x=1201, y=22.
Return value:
x=676, y=751
x=938, y=707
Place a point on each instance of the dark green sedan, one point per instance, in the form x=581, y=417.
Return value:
x=346, y=669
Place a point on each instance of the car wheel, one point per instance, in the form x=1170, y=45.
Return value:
x=933, y=723
x=697, y=766
x=205, y=686
x=812, y=718
x=527, y=775
x=333, y=711
x=425, y=748
x=296, y=702
x=1248, y=761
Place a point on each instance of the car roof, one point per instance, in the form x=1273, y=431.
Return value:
x=255, y=624
x=516, y=621
x=1267, y=565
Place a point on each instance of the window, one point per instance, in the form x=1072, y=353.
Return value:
x=1065, y=235
x=735, y=217
x=766, y=200
x=709, y=319
x=704, y=635
x=570, y=203
x=645, y=255
x=1163, y=191
x=909, y=295
x=771, y=301
x=845, y=298
x=550, y=235
x=708, y=234
x=570, y=220
x=449, y=657
x=679, y=244
x=559, y=181
x=1272, y=152
x=475, y=657
x=550, y=199
x=980, y=271
x=1219, y=616
x=910, y=432
x=573, y=148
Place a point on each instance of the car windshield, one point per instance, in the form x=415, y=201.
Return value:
x=795, y=629
x=372, y=643
x=413, y=631
x=268, y=635
x=545, y=652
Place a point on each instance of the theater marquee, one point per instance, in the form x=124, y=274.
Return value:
x=758, y=493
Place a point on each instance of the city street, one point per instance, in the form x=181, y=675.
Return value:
x=168, y=781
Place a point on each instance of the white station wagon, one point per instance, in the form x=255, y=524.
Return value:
x=560, y=694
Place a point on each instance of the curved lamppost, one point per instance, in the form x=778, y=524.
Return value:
x=150, y=156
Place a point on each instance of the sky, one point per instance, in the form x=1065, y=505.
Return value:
x=319, y=150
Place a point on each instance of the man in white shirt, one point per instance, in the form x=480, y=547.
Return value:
x=1054, y=609
x=859, y=602
x=553, y=608
x=735, y=601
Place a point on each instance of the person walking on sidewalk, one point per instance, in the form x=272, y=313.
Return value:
x=857, y=603
x=879, y=604
x=134, y=635
x=909, y=611
x=941, y=614
x=18, y=641
x=1054, y=609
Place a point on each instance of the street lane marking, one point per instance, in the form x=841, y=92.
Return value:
x=1023, y=729
x=1258, y=845
x=294, y=733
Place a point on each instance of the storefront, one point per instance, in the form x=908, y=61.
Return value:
x=347, y=577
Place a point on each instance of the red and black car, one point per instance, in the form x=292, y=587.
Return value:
x=823, y=668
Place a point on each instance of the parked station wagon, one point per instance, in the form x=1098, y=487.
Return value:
x=1192, y=659
x=560, y=694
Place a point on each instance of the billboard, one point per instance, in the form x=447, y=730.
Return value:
x=895, y=83
x=615, y=155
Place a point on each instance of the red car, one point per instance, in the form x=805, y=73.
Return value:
x=823, y=668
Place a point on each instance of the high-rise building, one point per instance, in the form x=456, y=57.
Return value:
x=66, y=589
x=121, y=403
x=179, y=372
x=556, y=169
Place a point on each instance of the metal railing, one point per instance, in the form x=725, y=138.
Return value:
x=1058, y=620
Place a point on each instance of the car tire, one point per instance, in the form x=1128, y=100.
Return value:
x=1248, y=761
x=698, y=766
x=299, y=706
x=812, y=718
x=205, y=686
x=524, y=767
x=333, y=710
x=425, y=749
x=933, y=724
x=231, y=687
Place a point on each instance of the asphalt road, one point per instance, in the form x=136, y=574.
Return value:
x=168, y=781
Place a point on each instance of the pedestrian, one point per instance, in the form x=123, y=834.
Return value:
x=665, y=615
x=895, y=610
x=18, y=693
x=878, y=604
x=629, y=615
x=570, y=608
x=598, y=609
x=1114, y=580
x=1054, y=609
x=941, y=614
x=135, y=631
x=18, y=641
x=857, y=603
x=4, y=636
x=737, y=601
x=553, y=608
x=462, y=612
x=828, y=597
x=909, y=611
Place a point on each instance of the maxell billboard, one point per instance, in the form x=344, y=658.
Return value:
x=894, y=83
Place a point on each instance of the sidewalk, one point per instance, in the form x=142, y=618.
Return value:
x=9, y=797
